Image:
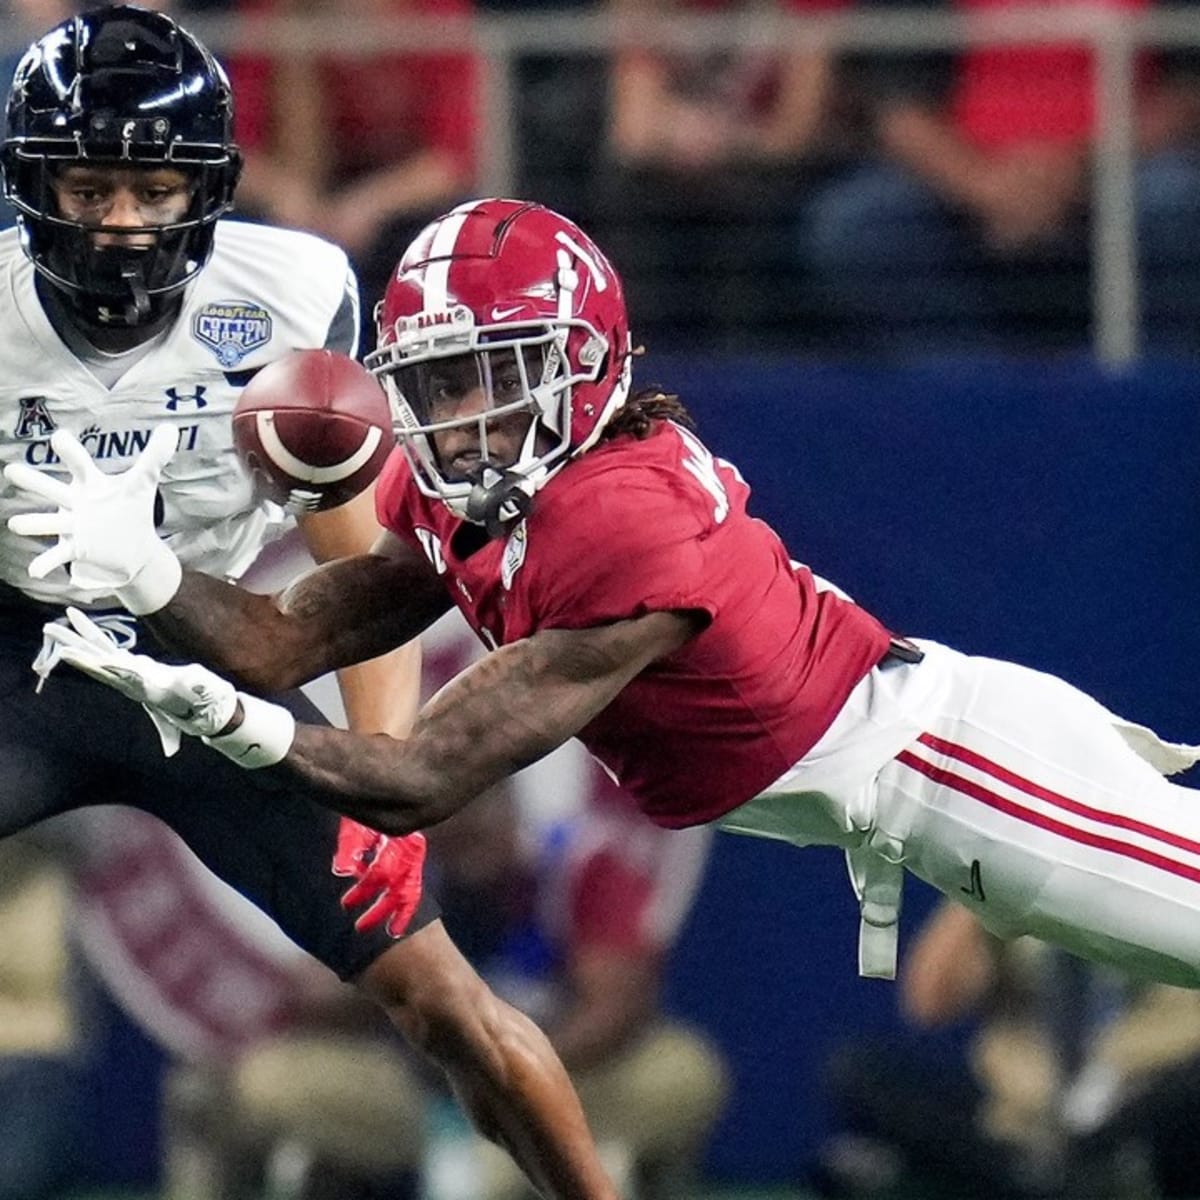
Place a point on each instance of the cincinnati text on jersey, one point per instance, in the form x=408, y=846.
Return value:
x=104, y=444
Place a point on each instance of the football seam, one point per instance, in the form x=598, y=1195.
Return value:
x=285, y=460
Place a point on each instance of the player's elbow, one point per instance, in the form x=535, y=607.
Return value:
x=405, y=802
x=433, y=788
x=270, y=667
x=410, y=813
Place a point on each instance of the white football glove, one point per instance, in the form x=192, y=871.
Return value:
x=179, y=699
x=187, y=699
x=104, y=523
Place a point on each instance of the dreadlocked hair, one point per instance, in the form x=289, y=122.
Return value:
x=645, y=409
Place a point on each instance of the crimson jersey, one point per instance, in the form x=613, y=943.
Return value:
x=633, y=527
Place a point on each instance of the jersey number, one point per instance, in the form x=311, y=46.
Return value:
x=432, y=547
x=703, y=467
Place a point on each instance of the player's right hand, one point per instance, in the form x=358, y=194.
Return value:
x=179, y=699
x=104, y=523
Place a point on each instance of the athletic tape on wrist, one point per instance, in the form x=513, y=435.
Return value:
x=154, y=585
x=262, y=739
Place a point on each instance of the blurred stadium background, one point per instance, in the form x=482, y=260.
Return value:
x=1034, y=493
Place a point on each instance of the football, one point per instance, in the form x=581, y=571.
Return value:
x=313, y=429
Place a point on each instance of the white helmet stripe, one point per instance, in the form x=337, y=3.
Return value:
x=436, y=293
x=568, y=281
x=297, y=468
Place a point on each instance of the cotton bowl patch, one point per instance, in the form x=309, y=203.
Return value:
x=231, y=329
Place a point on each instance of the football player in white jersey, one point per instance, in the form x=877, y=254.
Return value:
x=128, y=306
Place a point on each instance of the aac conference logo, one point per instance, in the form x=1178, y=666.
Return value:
x=33, y=421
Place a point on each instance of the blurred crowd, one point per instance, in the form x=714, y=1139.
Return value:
x=1066, y=1081
x=785, y=199
x=788, y=197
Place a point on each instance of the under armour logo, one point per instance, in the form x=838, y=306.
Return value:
x=196, y=397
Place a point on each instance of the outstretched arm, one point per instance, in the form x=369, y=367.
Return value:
x=349, y=611
x=343, y=612
x=508, y=710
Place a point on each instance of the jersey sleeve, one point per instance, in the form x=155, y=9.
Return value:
x=342, y=335
x=304, y=283
x=641, y=549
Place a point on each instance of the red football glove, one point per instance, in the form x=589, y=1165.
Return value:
x=388, y=871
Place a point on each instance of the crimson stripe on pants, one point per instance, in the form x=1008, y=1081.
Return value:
x=977, y=791
x=1004, y=775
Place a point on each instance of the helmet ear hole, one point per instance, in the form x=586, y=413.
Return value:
x=592, y=354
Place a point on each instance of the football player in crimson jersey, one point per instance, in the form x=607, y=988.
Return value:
x=132, y=313
x=610, y=560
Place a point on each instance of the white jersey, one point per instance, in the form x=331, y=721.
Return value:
x=264, y=292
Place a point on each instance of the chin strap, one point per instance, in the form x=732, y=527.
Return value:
x=497, y=497
x=138, y=309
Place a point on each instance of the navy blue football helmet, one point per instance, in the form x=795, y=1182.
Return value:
x=118, y=86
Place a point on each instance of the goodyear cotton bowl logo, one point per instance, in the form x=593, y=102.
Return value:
x=231, y=329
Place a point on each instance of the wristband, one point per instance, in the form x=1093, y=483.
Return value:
x=155, y=584
x=262, y=739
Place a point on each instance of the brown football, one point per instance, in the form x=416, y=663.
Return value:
x=313, y=429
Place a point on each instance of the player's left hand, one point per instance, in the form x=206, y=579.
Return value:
x=389, y=874
x=104, y=523
x=179, y=699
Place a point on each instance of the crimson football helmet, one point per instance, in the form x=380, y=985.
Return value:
x=522, y=301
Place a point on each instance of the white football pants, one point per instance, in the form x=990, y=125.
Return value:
x=1013, y=793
